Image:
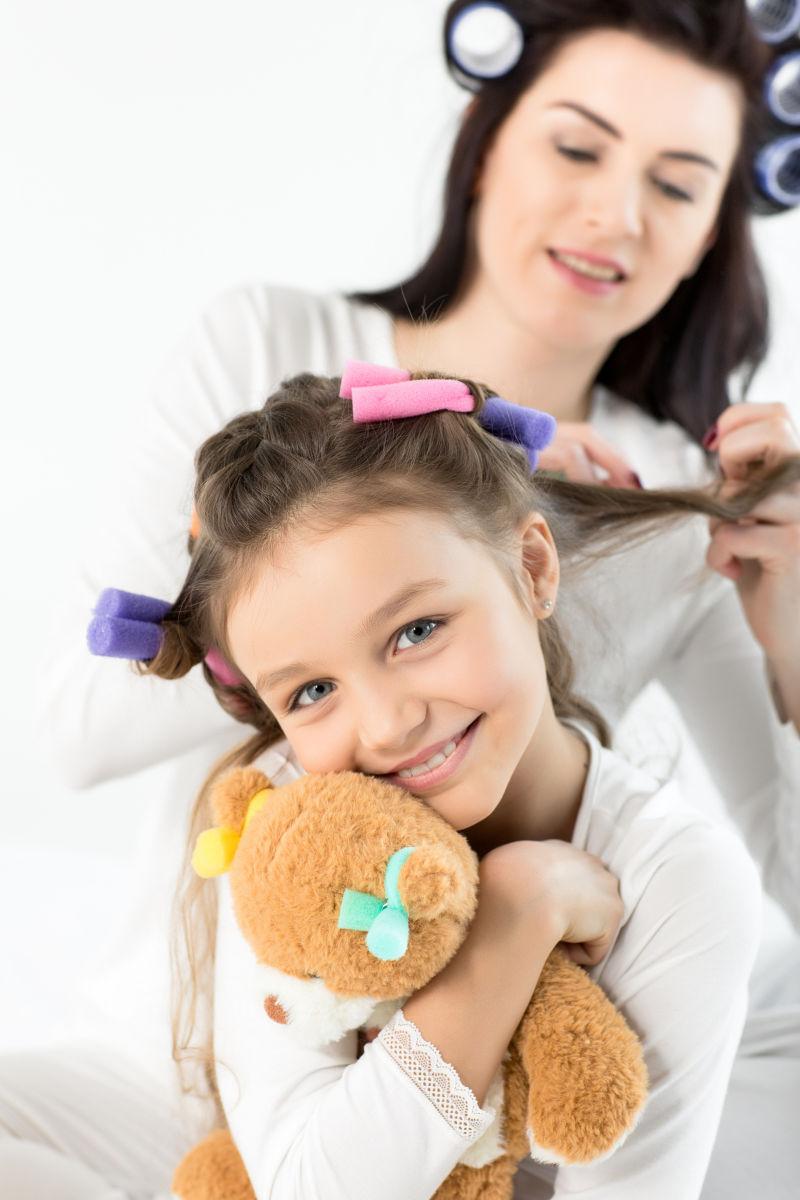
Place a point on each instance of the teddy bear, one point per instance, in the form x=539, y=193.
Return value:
x=353, y=894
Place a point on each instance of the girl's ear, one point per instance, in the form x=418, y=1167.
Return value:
x=539, y=560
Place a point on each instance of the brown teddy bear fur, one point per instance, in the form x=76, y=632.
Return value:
x=573, y=1076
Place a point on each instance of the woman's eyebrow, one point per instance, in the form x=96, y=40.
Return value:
x=268, y=680
x=682, y=155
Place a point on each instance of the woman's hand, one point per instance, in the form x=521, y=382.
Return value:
x=569, y=889
x=579, y=453
x=761, y=552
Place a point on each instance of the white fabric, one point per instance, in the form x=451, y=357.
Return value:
x=635, y=619
x=320, y=1123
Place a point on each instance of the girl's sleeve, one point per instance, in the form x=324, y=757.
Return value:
x=679, y=973
x=320, y=1124
x=99, y=718
x=717, y=678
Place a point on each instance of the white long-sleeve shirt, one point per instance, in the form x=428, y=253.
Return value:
x=322, y=1124
x=636, y=617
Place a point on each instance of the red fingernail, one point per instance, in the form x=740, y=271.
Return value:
x=636, y=481
x=711, y=437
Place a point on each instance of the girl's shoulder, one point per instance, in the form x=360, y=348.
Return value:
x=661, y=452
x=642, y=827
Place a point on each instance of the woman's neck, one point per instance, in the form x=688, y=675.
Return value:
x=476, y=340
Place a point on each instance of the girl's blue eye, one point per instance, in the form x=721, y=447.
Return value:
x=417, y=631
x=313, y=693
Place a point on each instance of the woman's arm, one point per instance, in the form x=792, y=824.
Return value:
x=718, y=679
x=99, y=718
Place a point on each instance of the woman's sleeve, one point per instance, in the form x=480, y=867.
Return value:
x=679, y=973
x=99, y=719
x=320, y=1124
x=717, y=678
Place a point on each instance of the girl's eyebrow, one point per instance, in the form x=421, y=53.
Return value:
x=683, y=155
x=397, y=602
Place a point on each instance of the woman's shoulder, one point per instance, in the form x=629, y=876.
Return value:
x=297, y=329
x=661, y=452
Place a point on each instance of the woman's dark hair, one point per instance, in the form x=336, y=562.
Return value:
x=678, y=364
x=301, y=462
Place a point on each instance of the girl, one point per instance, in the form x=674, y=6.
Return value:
x=387, y=590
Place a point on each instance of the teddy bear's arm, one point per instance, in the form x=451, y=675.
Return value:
x=585, y=1068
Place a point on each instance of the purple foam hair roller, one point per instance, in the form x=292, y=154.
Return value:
x=127, y=625
x=528, y=427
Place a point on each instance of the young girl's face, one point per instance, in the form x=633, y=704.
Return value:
x=386, y=640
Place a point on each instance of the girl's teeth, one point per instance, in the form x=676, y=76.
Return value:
x=431, y=764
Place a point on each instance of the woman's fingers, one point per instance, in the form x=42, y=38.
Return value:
x=569, y=459
x=754, y=435
x=584, y=457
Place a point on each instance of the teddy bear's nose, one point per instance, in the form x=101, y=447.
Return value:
x=275, y=1011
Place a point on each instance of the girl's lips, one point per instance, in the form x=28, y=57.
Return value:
x=595, y=287
x=414, y=783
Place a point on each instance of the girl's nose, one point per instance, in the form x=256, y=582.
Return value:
x=390, y=727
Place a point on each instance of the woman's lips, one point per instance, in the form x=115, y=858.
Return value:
x=594, y=287
x=414, y=783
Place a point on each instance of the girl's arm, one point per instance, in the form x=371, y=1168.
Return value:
x=319, y=1125
x=718, y=679
x=679, y=973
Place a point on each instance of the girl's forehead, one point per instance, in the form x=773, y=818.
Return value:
x=348, y=567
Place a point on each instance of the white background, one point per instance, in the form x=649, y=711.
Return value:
x=153, y=154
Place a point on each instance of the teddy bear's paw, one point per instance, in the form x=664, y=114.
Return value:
x=561, y=1142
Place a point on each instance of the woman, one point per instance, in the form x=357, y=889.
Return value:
x=689, y=312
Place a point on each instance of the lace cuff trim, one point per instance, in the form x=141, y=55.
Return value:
x=434, y=1077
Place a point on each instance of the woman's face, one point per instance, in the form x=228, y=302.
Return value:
x=620, y=150
x=373, y=691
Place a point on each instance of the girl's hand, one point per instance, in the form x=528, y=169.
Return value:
x=579, y=453
x=761, y=552
x=569, y=889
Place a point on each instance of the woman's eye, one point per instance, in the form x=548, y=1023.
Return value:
x=577, y=155
x=421, y=628
x=296, y=701
x=674, y=193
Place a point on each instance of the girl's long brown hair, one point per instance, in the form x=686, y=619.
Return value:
x=301, y=462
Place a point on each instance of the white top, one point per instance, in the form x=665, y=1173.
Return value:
x=322, y=1124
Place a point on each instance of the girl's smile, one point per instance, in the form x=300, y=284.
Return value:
x=440, y=765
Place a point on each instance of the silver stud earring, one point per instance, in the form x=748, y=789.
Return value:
x=547, y=605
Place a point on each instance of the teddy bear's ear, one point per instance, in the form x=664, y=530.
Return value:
x=433, y=880
x=231, y=795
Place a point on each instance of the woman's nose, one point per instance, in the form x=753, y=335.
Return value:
x=614, y=207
